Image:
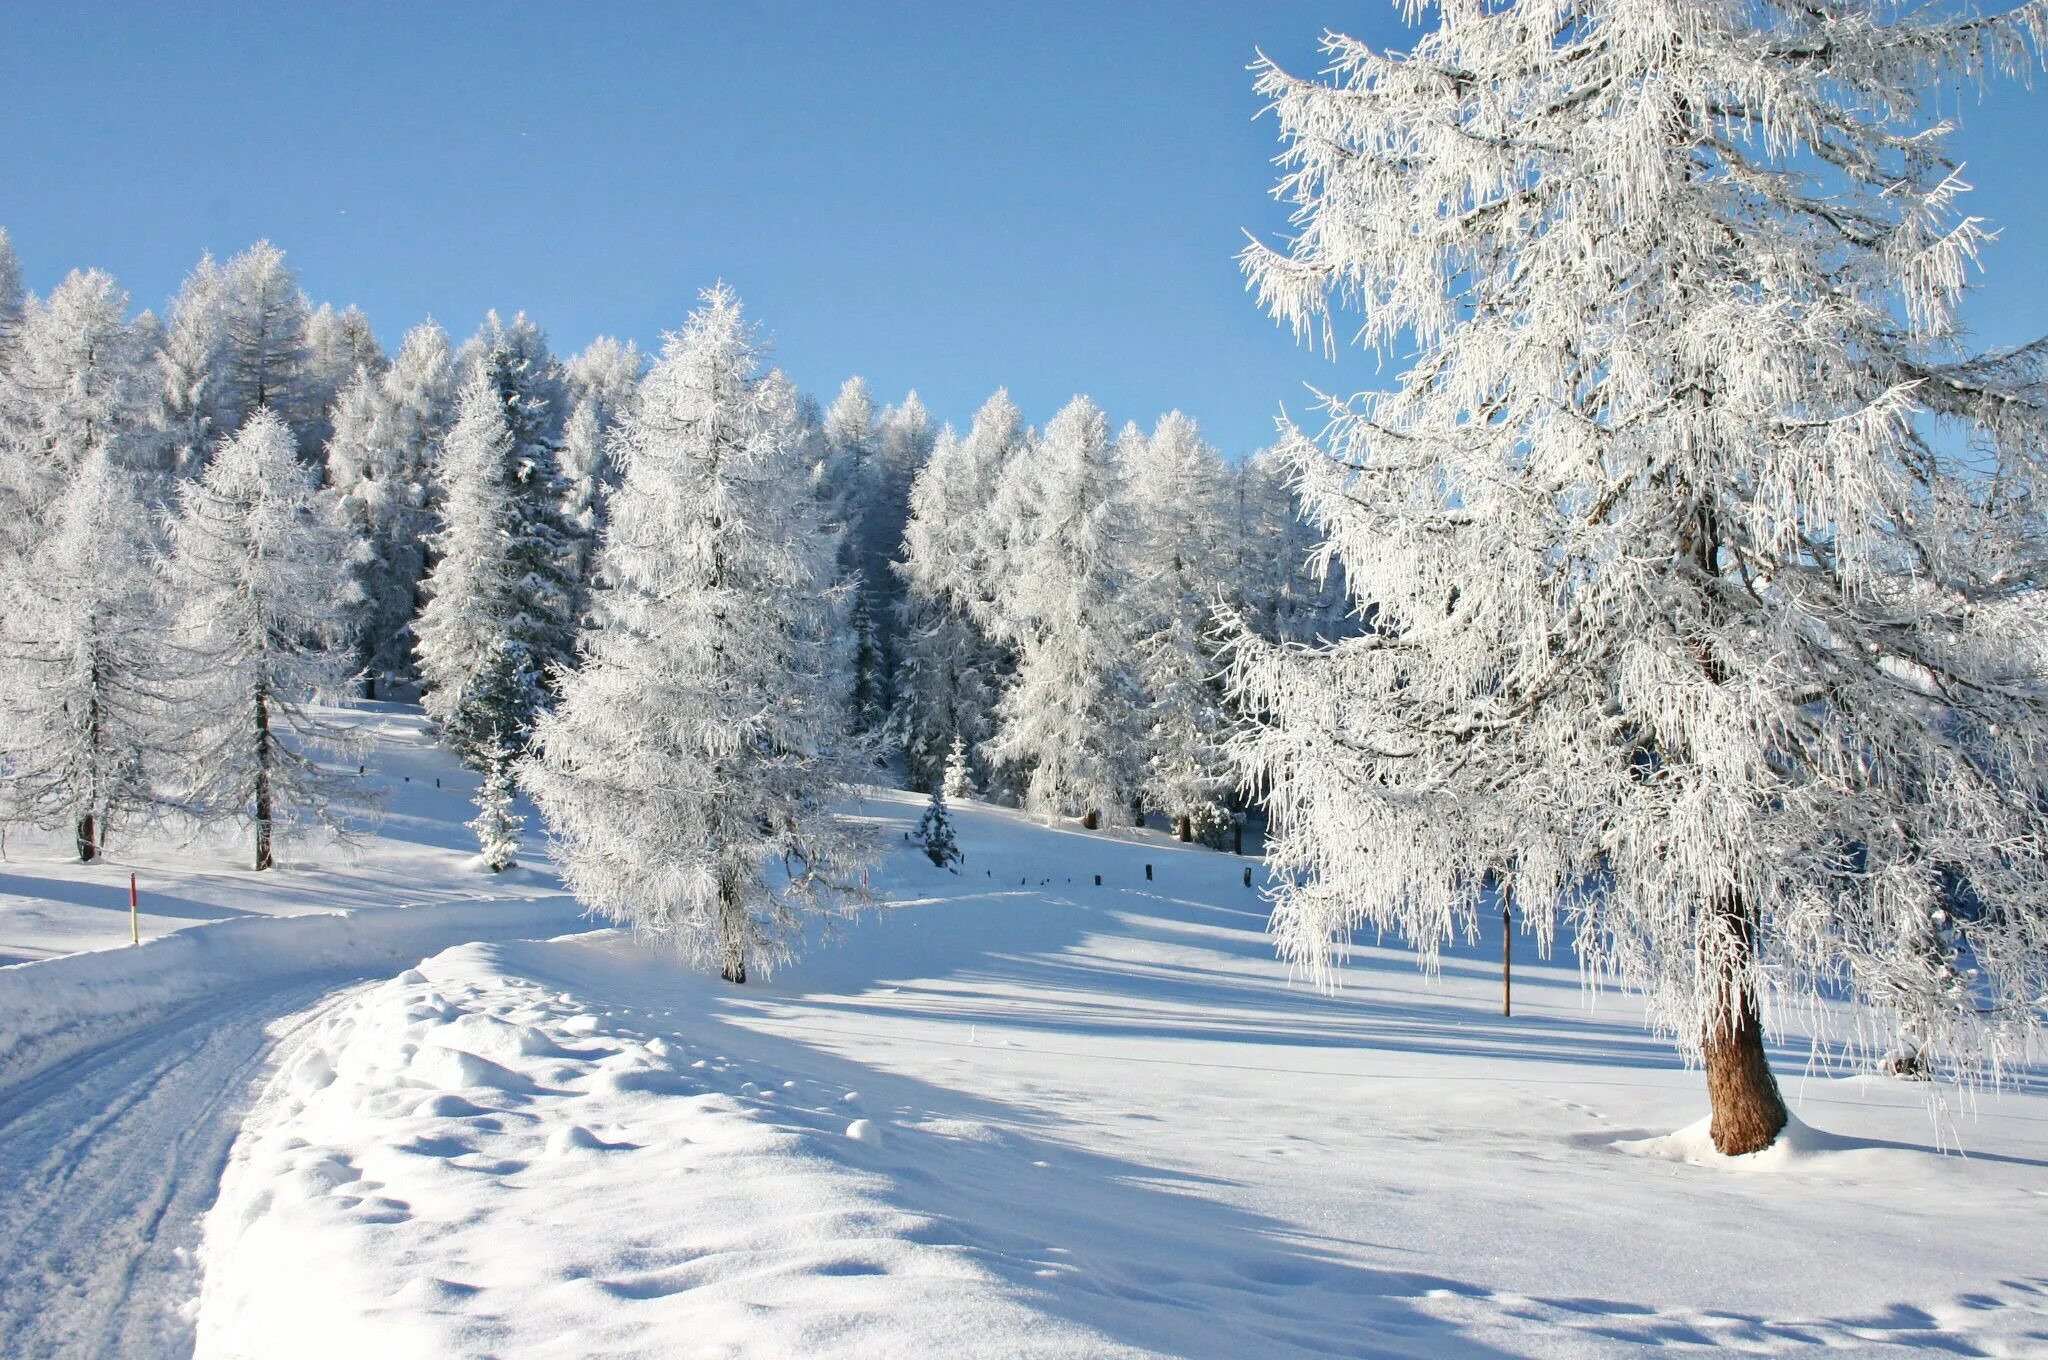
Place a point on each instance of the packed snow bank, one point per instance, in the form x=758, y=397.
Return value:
x=53, y=1008
x=470, y=1160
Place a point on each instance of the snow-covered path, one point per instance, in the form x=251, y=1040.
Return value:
x=107, y=1162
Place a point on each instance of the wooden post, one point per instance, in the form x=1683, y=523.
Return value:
x=134, y=913
x=1148, y=873
x=1507, y=957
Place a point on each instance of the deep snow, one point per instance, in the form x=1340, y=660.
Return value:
x=1014, y=1114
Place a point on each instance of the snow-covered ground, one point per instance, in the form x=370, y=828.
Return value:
x=1014, y=1114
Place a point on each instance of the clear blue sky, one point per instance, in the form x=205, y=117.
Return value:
x=942, y=195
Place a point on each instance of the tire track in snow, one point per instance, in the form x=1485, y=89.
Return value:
x=109, y=1161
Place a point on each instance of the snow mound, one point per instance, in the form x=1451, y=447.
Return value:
x=573, y=1192
x=1800, y=1147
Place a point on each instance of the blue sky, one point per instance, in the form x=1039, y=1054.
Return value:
x=947, y=196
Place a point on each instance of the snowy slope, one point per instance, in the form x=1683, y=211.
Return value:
x=1018, y=1114
x=124, y=1071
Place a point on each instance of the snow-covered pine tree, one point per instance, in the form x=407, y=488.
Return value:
x=688, y=773
x=75, y=383
x=1279, y=581
x=386, y=427
x=13, y=297
x=82, y=731
x=852, y=485
x=959, y=777
x=533, y=394
x=935, y=831
x=488, y=626
x=951, y=669
x=1690, y=626
x=602, y=381
x=262, y=360
x=1067, y=721
x=188, y=372
x=264, y=589
x=339, y=344
x=1174, y=482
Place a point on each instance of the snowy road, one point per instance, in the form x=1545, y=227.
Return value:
x=108, y=1162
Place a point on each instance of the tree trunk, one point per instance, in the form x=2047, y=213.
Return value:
x=88, y=842
x=1090, y=820
x=732, y=932
x=1184, y=827
x=1507, y=957
x=263, y=860
x=1748, y=1112
x=369, y=684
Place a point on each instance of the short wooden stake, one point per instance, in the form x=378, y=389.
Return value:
x=134, y=913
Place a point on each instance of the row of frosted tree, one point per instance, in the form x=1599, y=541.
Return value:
x=211, y=521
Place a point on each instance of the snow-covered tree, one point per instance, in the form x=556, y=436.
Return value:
x=339, y=344
x=533, y=396
x=379, y=466
x=602, y=381
x=1690, y=625
x=688, y=773
x=263, y=359
x=489, y=626
x=935, y=832
x=958, y=781
x=82, y=728
x=188, y=372
x=1175, y=484
x=1278, y=582
x=1068, y=718
x=13, y=296
x=264, y=590
x=951, y=670
x=75, y=383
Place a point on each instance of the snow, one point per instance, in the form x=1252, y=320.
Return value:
x=1014, y=1114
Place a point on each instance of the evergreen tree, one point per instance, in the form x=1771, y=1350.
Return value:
x=188, y=372
x=386, y=426
x=13, y=298
x=951, y=669
x=74, y=384
x=1688, y=625
x=339, y=344
x=687, y=775
x=264, y=592
x=532, y=394
x=959, y=778
x=262, y=360
x=935, y=832
x=490, y=622
x=81, y=722
x=1175, y=482
x=602, y=381
x=1066, y=721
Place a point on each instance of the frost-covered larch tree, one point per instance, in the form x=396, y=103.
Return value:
x=188, y=375
x=379, y=466
x=952, y=669
x=82, y=730
x=76, y=382
x=1692, y=627
x=852, y=487
x=264, y=591
x=688, y=773
x=488, y=627
x=1067, y=721
x=1174, y=482
x=533, y=396
x=13, y=297
x=602, y=381
x=263, y=360
x=339, y=344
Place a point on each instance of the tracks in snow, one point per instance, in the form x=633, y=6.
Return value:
x=109, y=1160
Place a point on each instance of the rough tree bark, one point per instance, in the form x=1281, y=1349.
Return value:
x=1748, y=1111
x=263, y=860
x=732, y=932
x=88, y=842
x=1184, y=827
